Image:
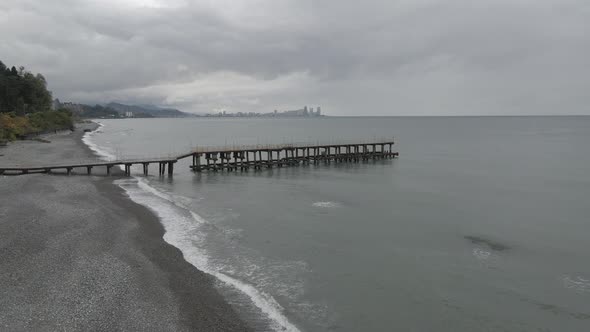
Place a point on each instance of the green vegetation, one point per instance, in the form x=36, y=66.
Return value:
x=98, y=111
x=22, y=92
x=13, y=126
x=25, y=105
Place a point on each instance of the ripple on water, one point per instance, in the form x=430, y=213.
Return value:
x=578, y=284
x=326, y=204
x=481, y=254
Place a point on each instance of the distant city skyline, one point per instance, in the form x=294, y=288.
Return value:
x=303, y=112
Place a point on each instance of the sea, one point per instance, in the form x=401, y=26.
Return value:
x=481, y=224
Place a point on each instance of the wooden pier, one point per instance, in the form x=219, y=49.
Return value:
x=88, y=166
x=231, y=158
x=267, y=156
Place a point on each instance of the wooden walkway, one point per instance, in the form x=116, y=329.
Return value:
x=231, y=158
x=282, y=155
x=88, y=166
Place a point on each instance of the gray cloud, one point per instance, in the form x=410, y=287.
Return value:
x=419, y=57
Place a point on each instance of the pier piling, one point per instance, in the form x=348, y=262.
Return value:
x=232, y=159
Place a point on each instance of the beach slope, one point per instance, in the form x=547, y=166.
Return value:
x=77, y=254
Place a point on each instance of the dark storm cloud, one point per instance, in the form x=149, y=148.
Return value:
x=370, y=57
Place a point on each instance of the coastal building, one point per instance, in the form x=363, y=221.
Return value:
x=128, y=114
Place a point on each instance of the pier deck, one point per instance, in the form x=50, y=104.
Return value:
x=282, y=155
x=89, y=165
x=231, y=158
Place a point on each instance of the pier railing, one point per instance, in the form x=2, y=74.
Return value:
x=291, y=145
x=80, y=162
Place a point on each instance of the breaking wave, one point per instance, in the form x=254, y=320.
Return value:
x=185, y=229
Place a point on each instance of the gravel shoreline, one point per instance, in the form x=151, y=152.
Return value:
x=77, y=254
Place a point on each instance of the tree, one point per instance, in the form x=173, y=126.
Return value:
x=21, y=91
x=25, y=105
x=20, y=106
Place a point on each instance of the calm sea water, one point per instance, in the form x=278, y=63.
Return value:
x=482, y=224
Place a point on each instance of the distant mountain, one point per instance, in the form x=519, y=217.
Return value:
x=151, y=110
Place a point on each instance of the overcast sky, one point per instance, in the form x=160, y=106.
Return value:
x=387, y=57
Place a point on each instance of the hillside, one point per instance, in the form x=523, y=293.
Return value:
x=147, y=109
x=25, y=105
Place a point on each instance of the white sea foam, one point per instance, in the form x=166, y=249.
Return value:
x=579, y=284
x=326, y=204
x=481, y=254
x=181, y=232
x=87, y=139
x=182, y=226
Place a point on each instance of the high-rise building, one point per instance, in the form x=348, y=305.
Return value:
x=319, y=112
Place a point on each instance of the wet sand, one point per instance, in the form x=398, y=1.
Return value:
x=77, y=254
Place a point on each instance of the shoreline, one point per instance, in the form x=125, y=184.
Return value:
x=82, y=243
